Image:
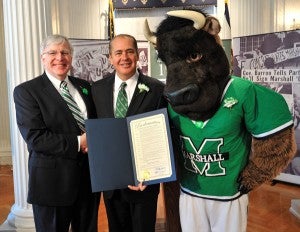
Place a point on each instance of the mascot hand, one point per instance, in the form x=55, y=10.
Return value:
x=269, y=157
x=251, y=178
x=243, y=189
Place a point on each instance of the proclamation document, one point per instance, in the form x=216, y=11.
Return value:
x=127, y=151
x=150, y=147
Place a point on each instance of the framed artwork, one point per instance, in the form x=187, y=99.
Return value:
x=158, y=68
x=273, y=60
x=91, y=59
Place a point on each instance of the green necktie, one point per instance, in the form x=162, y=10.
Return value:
x=122, y=102
x=72, y=105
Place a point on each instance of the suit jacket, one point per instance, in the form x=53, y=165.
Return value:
x=141, y=102
x=57, y=171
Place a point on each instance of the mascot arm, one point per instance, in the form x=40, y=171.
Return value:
x=268, y=158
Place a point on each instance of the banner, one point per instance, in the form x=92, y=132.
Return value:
x=273, y=60
x=111, y=26
x=133, y=4
x=226, y=28
x=226, y=13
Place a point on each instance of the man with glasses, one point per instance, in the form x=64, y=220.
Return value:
x=50, y=111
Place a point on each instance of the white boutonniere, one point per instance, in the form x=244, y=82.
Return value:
x=229, y=102
x=143, y=87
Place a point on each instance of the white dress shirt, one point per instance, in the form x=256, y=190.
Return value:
x=74, y=93
x=130, y=88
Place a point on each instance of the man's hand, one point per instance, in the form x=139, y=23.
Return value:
x=140, y=187
x=83, y=143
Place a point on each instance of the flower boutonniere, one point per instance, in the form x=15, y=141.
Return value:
x=229, y=102
x=84, y=91
x=143, y=87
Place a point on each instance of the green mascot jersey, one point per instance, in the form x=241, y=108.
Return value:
x=214, y=153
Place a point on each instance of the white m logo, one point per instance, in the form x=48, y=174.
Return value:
x=202, y=162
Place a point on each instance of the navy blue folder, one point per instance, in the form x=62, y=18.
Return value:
x=111, y=156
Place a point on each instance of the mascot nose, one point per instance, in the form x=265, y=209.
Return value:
x=186, y=95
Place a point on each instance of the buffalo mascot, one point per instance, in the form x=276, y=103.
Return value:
x=233, y=134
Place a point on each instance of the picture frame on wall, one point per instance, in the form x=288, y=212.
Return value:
x=91, y=59
x=273, y=60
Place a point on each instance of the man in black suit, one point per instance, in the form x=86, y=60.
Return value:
x=132, y=209
x=59, y=182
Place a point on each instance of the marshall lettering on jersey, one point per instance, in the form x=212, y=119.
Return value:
x=209, y=158
x=214, y=155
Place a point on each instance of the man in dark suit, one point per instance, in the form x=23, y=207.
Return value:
x=132, y=209
x=59, y=182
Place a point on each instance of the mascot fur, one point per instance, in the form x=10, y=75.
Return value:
x=233, y=135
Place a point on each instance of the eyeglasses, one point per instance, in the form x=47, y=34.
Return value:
x=55, y=53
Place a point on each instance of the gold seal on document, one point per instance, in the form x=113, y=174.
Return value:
x=146, y=175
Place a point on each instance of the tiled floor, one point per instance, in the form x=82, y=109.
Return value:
x=268, y=207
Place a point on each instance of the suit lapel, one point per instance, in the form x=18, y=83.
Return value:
x=103, y=96
x=60, y=103
x=138, y=97
x=81, y=90
x=108, y=95
x=50, y=90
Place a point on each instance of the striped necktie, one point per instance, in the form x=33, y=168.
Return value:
x=122, y=102
x=72, y=105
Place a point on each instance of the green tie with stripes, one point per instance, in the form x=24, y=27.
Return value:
x=122, y=102
x=72, y=105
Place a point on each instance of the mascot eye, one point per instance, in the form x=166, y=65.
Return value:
x=194, y=58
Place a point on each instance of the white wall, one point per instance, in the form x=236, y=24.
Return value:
x=262, y=16
x=79, y=18
x=248, y=17
x=88, y=19
x=132, y=21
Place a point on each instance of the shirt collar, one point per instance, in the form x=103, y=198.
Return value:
x=55, y=81
x=131, y=82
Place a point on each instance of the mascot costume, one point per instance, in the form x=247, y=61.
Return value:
x=233, y=134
